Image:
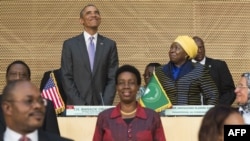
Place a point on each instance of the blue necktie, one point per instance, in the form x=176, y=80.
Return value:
x=91, y=51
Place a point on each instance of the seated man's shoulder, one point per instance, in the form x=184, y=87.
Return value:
x=218, y=61
x=49, y=104
x=55, y=71
x=51, y=137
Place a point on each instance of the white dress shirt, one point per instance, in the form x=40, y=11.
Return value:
x=203, y=61
x=87, y=41
x=245, y=115
x=11, y=135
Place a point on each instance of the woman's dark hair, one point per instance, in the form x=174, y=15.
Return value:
x=213, y=122
x=128, y=68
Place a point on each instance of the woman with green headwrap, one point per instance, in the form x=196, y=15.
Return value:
x=186, y=83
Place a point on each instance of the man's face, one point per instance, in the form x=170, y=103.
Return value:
x=176, y=54
x=241, y=91
x=26, y=109
x=91, y=17
x=148, y=73
x=16, y=72
x=201, y=50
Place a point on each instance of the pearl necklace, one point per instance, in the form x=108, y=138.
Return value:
x=127, y=114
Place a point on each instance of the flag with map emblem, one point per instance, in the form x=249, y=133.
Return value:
x=154, y=96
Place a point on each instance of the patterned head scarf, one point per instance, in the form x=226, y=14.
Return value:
x=246, y=106
x=188, y=45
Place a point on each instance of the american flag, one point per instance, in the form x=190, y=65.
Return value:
x=51, y=92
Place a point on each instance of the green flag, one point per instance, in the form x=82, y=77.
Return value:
x=155, y=97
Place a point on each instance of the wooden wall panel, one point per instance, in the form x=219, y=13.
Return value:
x=34, y=30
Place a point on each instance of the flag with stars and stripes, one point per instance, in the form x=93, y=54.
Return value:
x=51, y=92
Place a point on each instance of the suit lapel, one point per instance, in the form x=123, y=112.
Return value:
x=208, y=64
x=83, y=51
x=99, y=49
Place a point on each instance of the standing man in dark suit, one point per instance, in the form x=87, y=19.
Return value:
x=24, y=111
x=19, y=70
x=220, y=73
x=89, y=80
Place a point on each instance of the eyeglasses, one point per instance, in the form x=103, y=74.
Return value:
x=240, y=86
x=18, y=74
x=31, y=102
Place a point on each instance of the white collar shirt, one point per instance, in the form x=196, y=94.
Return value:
x=11, y=135
x=203, y=61
x=87, y=41
x=245, y=115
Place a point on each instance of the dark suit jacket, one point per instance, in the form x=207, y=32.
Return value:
x=2, y=121
x=46, y=136
x=58, y=76
x=50, y=123
x=220, y=73
x=81, y=86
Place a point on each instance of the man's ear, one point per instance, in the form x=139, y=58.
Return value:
x=6, y=107
x=81, y=21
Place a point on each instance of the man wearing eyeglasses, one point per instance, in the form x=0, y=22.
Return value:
x=24, y=111
x=19, y=70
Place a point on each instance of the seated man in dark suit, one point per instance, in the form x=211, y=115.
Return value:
x=220, y=73
x=24, y=111
x=20, y=70
x=58, y=77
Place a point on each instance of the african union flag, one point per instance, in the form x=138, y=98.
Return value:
x=155, y=97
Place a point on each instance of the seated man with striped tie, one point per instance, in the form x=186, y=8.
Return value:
x=20, y=70
x=24, y=110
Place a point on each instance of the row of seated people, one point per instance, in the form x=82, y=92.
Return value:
x=24, y=113
x=122, y=78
